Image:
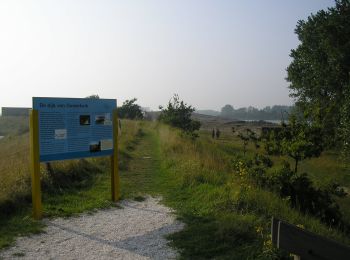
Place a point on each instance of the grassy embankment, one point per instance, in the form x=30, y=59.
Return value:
x=227, y=216
x=74, y=186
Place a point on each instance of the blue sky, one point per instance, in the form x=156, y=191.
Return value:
x=211, y=53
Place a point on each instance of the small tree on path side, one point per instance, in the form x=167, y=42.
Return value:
x=178, y=114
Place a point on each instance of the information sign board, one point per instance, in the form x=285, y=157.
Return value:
x=74, y=127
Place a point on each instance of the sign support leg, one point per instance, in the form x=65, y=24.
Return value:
x=35, y=164
x=115, y=180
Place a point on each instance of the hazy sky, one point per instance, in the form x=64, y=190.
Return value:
x=211, y=53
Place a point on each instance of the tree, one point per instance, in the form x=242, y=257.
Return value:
x=178, y=114
x=319, y=72
x=249, y=135
x=130, y=110
x=227, y=111
x=254, y=138
x=298, y=139
x=94, y=96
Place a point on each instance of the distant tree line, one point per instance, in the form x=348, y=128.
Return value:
x=277, y=112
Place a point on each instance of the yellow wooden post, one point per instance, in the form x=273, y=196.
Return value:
x=35, y=164
x=115, y=180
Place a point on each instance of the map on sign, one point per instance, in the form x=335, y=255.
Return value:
x=74, y=127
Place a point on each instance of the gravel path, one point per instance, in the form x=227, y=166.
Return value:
x=135, y=231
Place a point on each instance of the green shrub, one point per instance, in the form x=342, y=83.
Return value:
x=130, y=110
x=178, y=114
x=302, y=194
x=298, y=189
x=298, y=139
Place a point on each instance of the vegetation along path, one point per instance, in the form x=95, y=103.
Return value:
x=135, y=229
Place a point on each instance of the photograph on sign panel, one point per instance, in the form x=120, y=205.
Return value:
x=100, y=119
x=84, y=120
x=60, y=133
x=108, y=120
x=95, y=146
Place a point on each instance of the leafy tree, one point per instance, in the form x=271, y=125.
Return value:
x=130, y=110
x=254, y=138
x=319, y=73
x=302, y=142
x=249, y=135
x=298, y=139
x=178, y=114
x=94, y=96
x=272, y=142
x=227, y=111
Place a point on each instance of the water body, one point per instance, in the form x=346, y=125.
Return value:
x=276, y=121
x=269, y=121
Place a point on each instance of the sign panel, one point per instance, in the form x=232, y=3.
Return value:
x=74, y=127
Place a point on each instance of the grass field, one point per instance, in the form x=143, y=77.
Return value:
x=226, y=217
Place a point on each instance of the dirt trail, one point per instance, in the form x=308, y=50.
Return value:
x=134, y=231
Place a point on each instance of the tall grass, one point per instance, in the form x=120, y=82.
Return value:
x=14, y=168
x=14, y=152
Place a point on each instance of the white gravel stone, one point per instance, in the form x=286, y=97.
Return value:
x=135, y=231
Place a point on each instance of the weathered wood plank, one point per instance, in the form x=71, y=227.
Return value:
x=274, y=230
x=308, y=245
